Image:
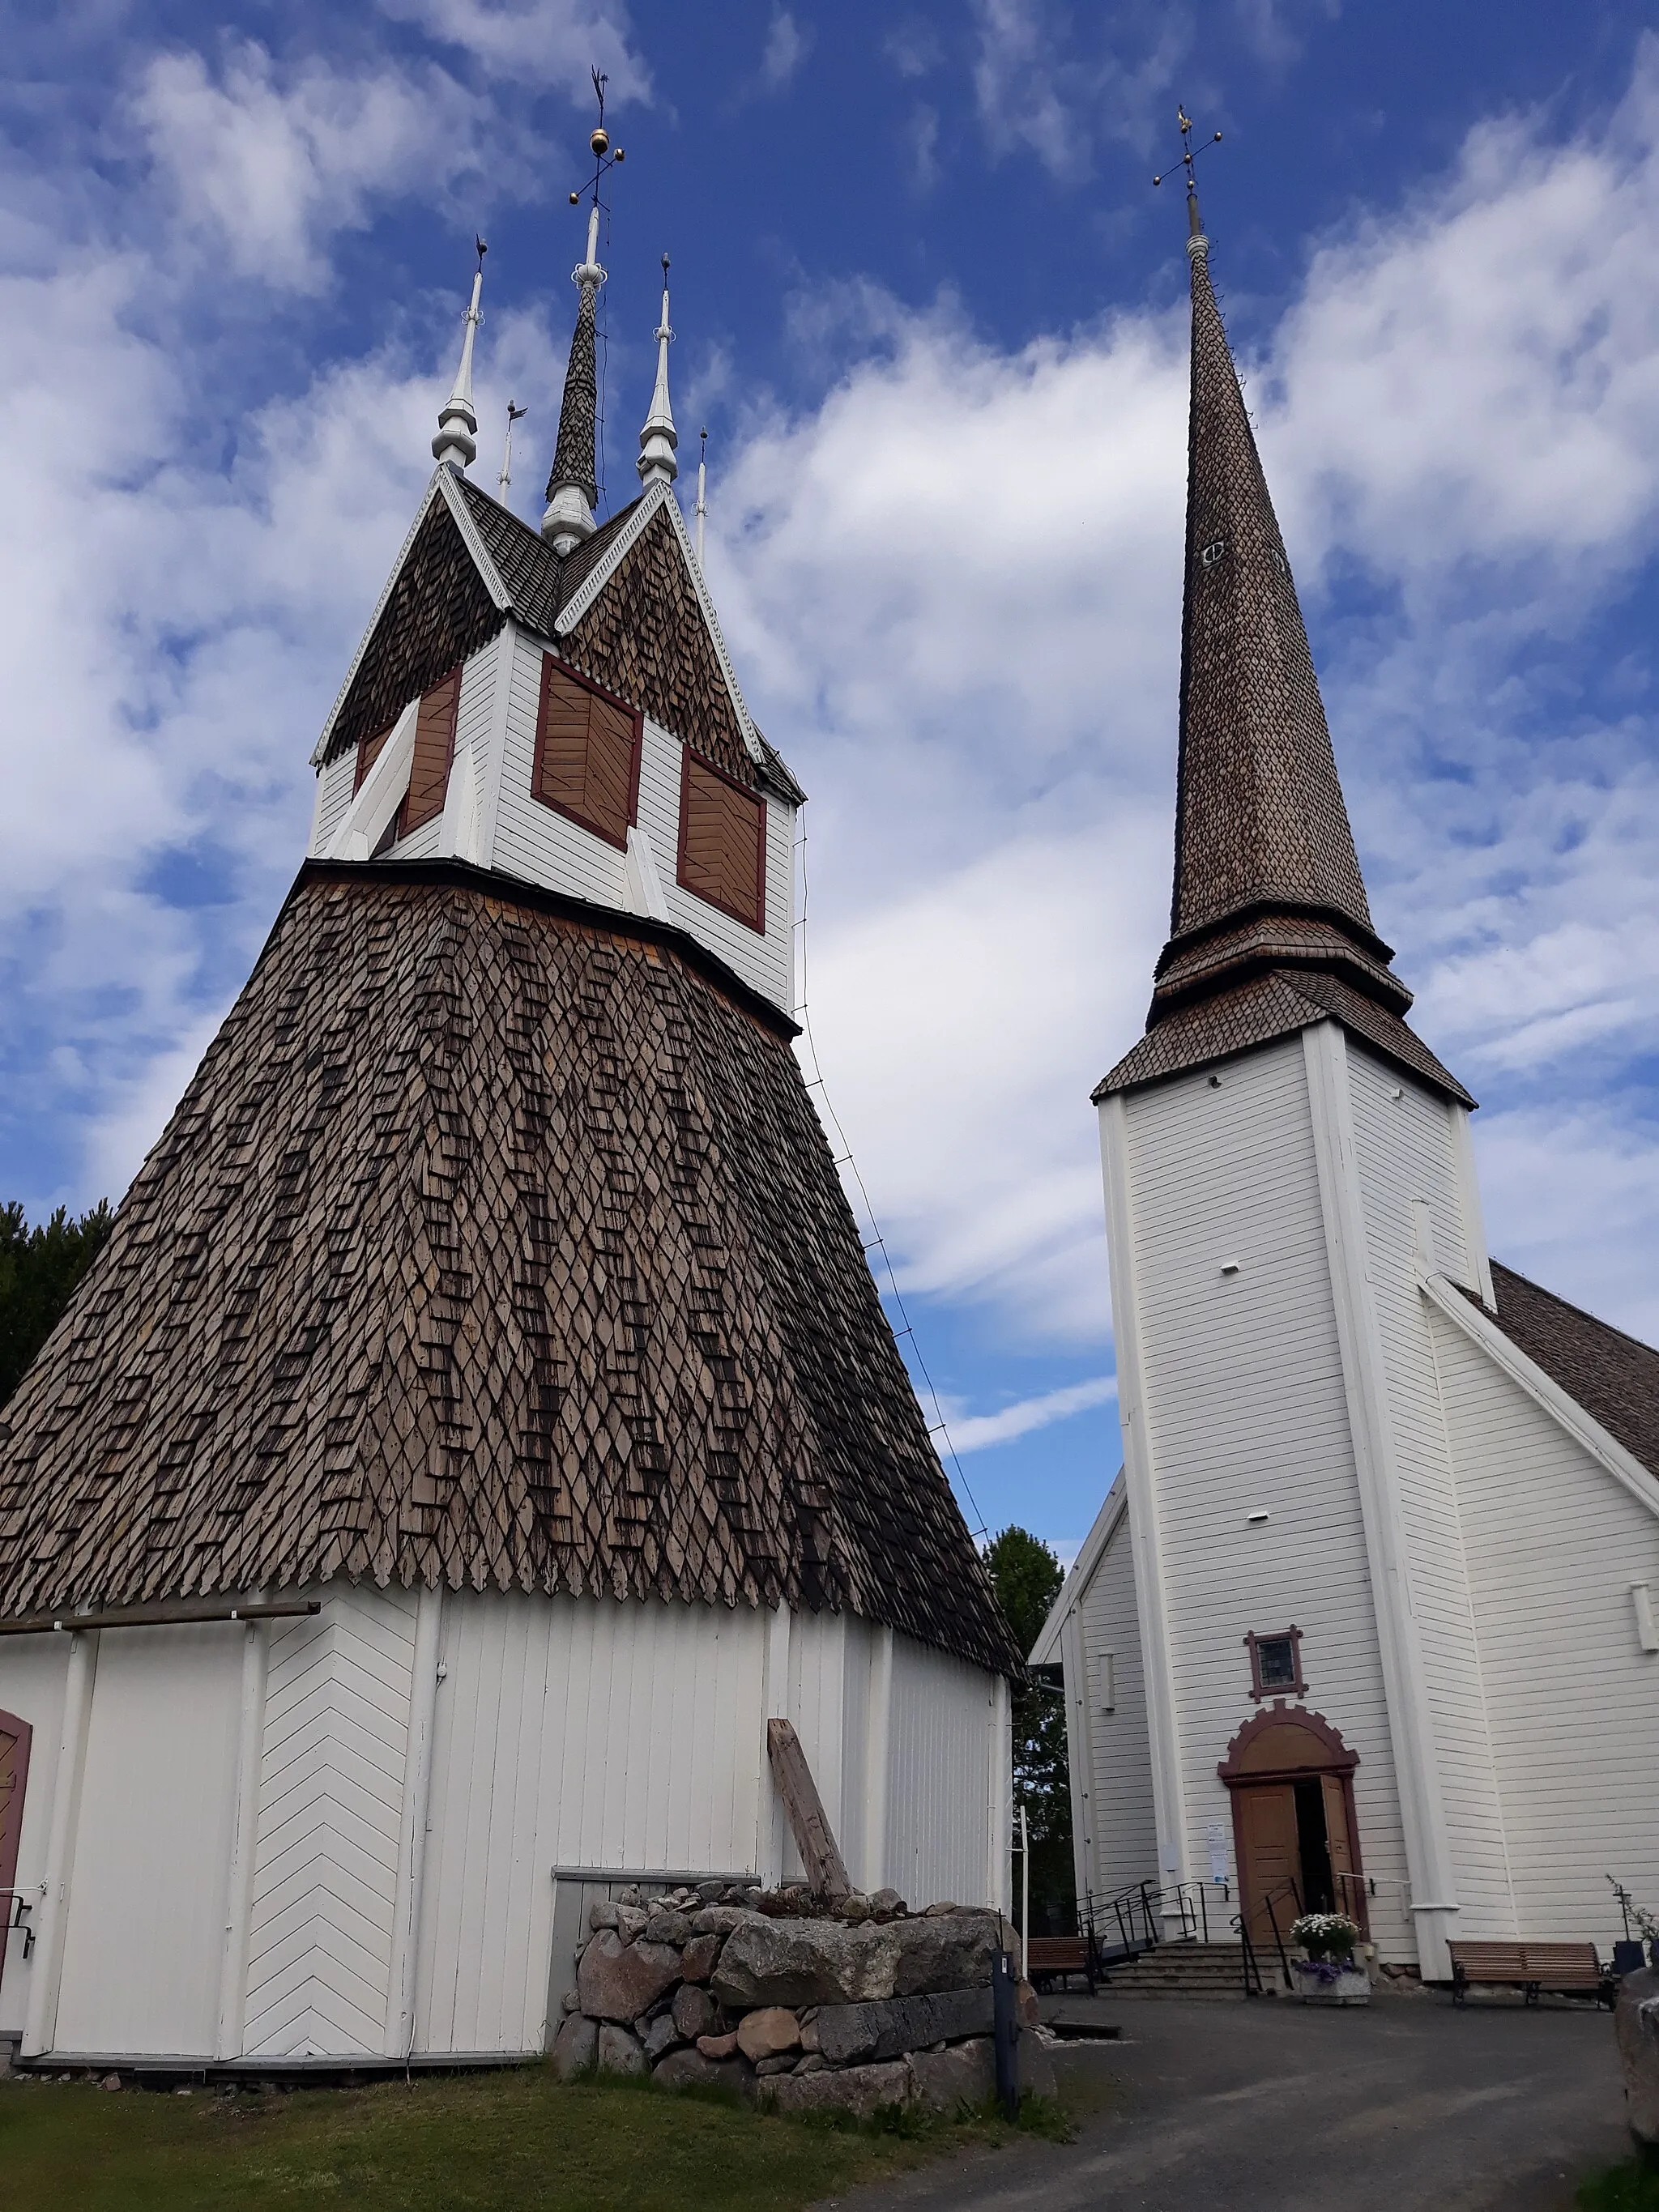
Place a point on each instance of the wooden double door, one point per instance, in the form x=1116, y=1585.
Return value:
x=1295, y=1852
x=1295, y=1840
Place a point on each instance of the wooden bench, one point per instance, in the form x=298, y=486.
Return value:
x=1567, y=1970
x=1054, y=1958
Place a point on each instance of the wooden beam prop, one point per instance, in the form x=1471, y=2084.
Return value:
x=815, y=1839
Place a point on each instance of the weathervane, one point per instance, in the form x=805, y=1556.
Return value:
x=600, y=142
x=1189, y=153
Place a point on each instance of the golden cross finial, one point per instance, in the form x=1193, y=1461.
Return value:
x=1189, y=153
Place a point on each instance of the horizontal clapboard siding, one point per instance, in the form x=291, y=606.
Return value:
x=439, y=751
x=534, y=840
x=330, y=1801
x=1116, y=1764
x=1553, y=1544
x=940, y=1769
x=1246, y=1410
x=335, y=785
x=1405, y=1144
x=765, y=963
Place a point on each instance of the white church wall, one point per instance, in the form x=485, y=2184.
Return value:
x=145, y=1925
x=945, y=1764
x=31, y=1673
x=573, y=1733
x=334, y=1739
x=1109, y=1714
x=819, y=1664
x=1245, y=1411
x=1553, y=1544
x=1408, y=1151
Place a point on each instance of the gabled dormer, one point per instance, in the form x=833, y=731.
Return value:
x=560, y=708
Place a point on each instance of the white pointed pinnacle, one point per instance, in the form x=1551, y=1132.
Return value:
x=457, y=441
x=659, y=438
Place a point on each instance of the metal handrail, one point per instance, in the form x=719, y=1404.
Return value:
x=1270, y=1903
x=1252, y=1964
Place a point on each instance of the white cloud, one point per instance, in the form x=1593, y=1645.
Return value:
x=540, y=41
x=1039, y=92
x=269, y=163
x=787, y=48
x=975, y=1431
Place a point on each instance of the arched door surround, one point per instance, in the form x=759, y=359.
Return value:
x=1296, y=1841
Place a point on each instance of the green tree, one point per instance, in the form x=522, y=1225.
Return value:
x=40, y=1268
x=1027, y=1578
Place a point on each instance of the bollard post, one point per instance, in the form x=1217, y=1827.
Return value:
x=1005, y=2016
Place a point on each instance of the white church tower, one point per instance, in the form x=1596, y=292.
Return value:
x=1365, y=1621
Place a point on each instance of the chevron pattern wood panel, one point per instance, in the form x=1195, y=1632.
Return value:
x=330, y=1799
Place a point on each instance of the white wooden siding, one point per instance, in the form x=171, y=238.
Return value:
x=941, y=1760
x=333, y=797
x=144, y=1936
x=765, y=963
x=531, y=840
x=1244, y=1410
x=1115, y=1752
x=31, y=1672
x=331, y=1800
x=572, y=1732
x=1553, y=1544
x=819, y=1662
x=1407, y=1151
x=473, y=713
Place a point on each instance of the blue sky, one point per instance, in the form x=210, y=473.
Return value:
x=930, y=308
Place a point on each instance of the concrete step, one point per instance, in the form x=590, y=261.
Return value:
x=1183, y=1970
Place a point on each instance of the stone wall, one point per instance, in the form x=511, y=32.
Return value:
x=799, y=2004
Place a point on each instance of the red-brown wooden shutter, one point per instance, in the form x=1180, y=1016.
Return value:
x=369, y=751
x=434, y=748
x=587, y=755
x=722, y=843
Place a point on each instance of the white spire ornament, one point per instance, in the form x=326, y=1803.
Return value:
x=658, y=439
x=457, y=441
x=514, y=414
x=702, y=488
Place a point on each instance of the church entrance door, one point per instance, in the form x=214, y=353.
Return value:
x=1289, y=1777
x=14, y=1736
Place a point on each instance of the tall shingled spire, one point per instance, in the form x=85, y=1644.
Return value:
x=572, y=488
x=457, y=441
x=1270, y=924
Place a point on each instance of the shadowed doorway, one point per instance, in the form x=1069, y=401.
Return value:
x=1290, y=1779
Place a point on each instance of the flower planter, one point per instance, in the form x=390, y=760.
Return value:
x=1326, y=1982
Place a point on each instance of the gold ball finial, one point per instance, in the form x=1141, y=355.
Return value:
x=600, y=143
x=575, y=199
x=621, y=156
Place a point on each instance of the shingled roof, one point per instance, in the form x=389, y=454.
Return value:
x=496, y=1242
x=1269, y=925
x=648, y=634
x=1614, y=1377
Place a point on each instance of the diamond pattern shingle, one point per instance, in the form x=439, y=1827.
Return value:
x=494, y=1242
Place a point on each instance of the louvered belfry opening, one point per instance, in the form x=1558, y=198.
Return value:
x=587, y=754
x=722, y=857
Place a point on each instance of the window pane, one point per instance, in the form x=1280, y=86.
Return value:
x=1276, y=1658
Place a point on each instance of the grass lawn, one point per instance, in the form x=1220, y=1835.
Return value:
x=1631, y=2187
x=516, y=2141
